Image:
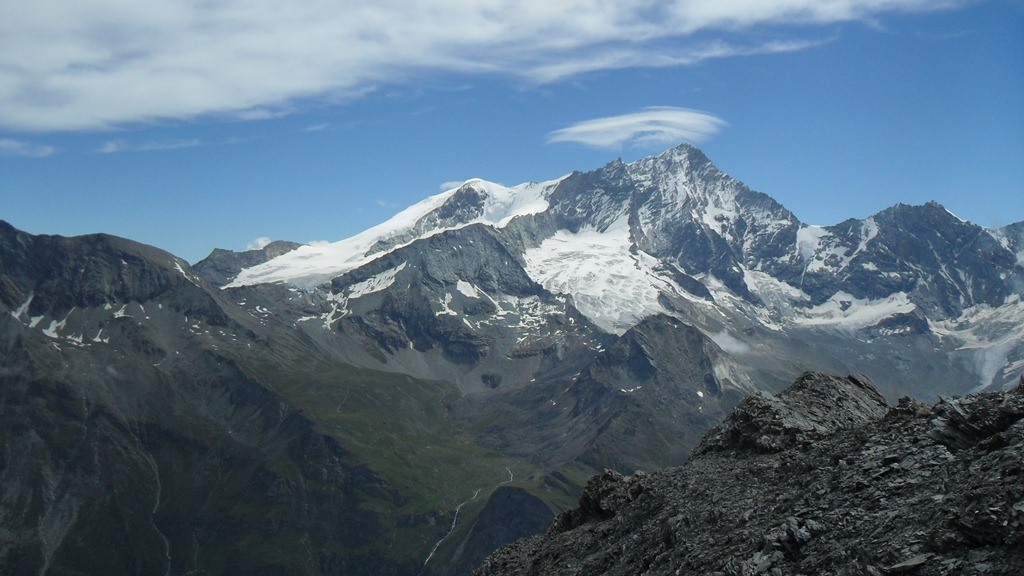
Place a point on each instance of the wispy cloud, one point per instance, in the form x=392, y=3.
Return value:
x=655, y=126
x=116, y=146
x=94, y=64
x=650, y=57
x=10, y=147
x=259, y=243
x=446, y=186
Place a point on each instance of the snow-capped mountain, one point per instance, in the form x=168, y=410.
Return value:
x=476, y=201
x=674, y=235
x=306, y=408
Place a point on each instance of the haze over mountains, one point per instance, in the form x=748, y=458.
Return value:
x=384, y=403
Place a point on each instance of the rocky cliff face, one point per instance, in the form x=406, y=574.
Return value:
x=822, y=479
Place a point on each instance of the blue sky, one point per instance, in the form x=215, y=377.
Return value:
x=191, y=126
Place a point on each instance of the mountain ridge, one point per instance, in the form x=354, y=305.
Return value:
x=490, y=347
x=672, y=234
x=822, y=478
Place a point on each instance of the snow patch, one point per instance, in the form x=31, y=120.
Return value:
x=845, y=311
x=177, y=265
x=55, y=326
x=24, y=307
x=992, y=336
x=446, y=304
x=467, y=289
x=377, y=283
x=991, y=360
x=868, y=232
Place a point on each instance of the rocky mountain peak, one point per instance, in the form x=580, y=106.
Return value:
x=817, y=405
x=914, y=489
x=684, y=156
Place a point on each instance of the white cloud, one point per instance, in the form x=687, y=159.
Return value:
x=655, y=126
x=259, y=243
x=446, y=186
x=115, y=146
x=92, y=64
x=648, y=57
x=10, y=147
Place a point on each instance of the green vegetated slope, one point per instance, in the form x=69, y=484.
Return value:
x=150, y=425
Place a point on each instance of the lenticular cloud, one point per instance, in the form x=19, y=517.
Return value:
x=648, y=127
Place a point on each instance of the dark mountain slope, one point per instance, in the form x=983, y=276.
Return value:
x=150, y=425
x=487, y=349
x=823, y=479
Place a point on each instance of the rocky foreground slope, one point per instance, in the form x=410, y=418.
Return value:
x=825, y=478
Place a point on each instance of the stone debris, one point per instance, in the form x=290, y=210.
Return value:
x=822, y=479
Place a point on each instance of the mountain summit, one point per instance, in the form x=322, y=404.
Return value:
x=672, y=234
x=382, y=404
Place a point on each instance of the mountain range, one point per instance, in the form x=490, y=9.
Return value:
x=408, y=399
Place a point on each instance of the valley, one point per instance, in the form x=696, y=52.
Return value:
x=407, y=400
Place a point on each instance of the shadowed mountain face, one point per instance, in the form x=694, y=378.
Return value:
x=135, y=442
x=385, y=404
x=823, y=478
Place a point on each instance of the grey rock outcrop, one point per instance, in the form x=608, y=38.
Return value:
x=823, y=479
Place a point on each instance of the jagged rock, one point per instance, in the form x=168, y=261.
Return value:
x=841, y=486
x=603, y=496
x=814, y=407
x=908, y=565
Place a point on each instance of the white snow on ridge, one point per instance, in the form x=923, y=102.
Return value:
x=311, y=265
x=845, y=311
x=868, y=232
x=819, y=249
x=177, y=265
x=375, y=284
x=503, y=204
